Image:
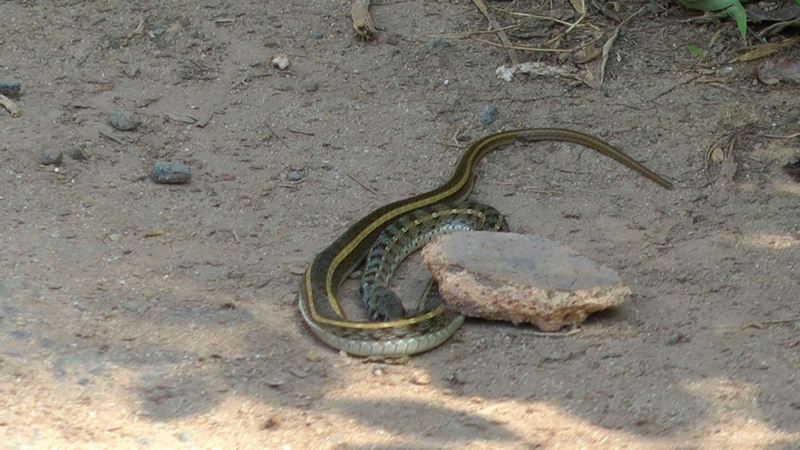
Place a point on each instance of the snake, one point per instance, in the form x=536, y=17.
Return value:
x=403, y=237
x=425, y=215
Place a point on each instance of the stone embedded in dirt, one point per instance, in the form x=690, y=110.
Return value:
x=488, y=115
x=10, y=87
x=122, y=121
x=420, y=377
x=80, y=153
x=295, y=175
x=520, y=278
x=281, y=62
x=793, y=170
x=165, y=172
x=51, y=157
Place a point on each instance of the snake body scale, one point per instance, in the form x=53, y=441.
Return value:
x=414, y=221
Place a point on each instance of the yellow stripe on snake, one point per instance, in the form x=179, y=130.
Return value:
x=389, y=233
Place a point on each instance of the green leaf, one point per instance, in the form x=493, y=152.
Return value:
x=696, y=51
x=734, y=8
x=709, y=5
x=739, y=14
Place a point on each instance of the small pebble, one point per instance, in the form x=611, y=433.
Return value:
x=271, y=423
x=10, y=87
x=122, y=121
x=488, y=115
x=281, y=61
x=393, y=39
x=310, y=86
x=313, y=356
x=183, y=436
x=437, y=44
x=51, y=157
x=275, y=382
x=793, y=170
x=131, y=72
x=20, y=334
x=677, y=338
x=295, y=175
x=165, y=172
x=421, y=378
x=317, y=35
x=80, y=153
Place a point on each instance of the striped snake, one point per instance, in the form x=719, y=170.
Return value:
x=391, y=232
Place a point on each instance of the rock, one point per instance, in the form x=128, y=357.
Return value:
x=793, y=170
x=295, y=175
x=80, y=153
x=183, y=436
x=122, y=121
x=436, y=44
x=393, y=39
x=281, y=62
x=488, y=115
x=421, y=378
x=317, y=35
x=10, y=87
x=520, y=278
x=51, y=157
x=165, y=172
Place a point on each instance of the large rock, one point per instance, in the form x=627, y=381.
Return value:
x=520, y=278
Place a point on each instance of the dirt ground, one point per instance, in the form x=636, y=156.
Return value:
x=141, y=315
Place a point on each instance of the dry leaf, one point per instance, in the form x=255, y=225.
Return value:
x=716, y=155
x=586, y=54
x=580, y=6
x=777, y=71
x=765, y=50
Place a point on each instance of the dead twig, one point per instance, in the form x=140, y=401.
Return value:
x=277, y=137
x=455, y=136
x=776, y=136
x=672, y=88
x=469, y=34
x=525, y=48
x=536, y=16
x=366, y=188
x=110, y=137
x=304, y=133
x=611, y=40
x=557, y=334
x=512, y=54
x=567, y=31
